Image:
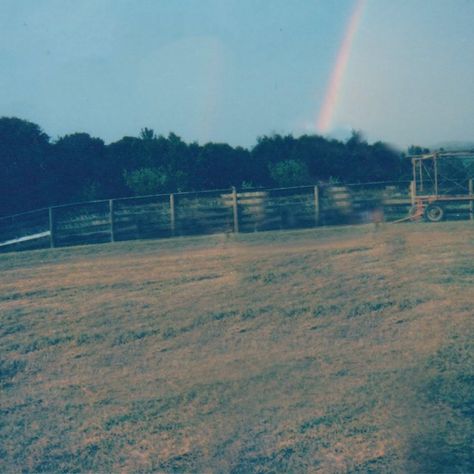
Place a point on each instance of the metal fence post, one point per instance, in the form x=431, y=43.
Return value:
x=235, y=207
x=316, y=205
x=51, y=227
x=112, y=220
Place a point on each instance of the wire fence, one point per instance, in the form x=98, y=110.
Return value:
x=207, y=212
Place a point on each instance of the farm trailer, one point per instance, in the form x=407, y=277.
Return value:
x=440, y=180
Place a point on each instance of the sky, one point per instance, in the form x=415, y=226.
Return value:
x=401, y=71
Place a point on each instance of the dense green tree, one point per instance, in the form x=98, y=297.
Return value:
x=124, y=155
x=417, y=150
x=24, y=154
x=145, y=181
x=289, y=173
x=78, y=168
x=267, y=151
x=219, y=165
x=179, y=162
x=35, y=172
x=324, y=158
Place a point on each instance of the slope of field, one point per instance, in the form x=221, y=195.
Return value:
x=339, y=350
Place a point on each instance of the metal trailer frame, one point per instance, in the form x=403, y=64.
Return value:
x=426, y=190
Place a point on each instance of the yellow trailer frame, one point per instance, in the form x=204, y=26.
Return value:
x=426, y=190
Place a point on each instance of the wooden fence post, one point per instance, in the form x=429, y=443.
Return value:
x=51, y=227
x=471, y=202
x=412, y=192
x=316, y=205
x=235, y=207
x=112, y=220
x=172, y=215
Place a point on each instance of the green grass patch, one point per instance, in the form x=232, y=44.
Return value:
x=368, y=307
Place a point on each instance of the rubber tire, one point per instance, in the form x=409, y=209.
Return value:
x=434, y=213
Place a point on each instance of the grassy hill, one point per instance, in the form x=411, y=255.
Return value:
x=343, y=349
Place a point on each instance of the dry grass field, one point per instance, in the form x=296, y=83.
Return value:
x=344, y=349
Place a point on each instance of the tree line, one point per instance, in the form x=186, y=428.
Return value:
x=36, y=171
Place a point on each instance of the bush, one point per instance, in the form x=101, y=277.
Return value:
x=145, y=181
x=290, y=173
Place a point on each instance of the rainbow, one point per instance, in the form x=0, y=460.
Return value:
x=332, y=93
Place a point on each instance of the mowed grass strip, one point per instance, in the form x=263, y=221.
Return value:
x=333, y=350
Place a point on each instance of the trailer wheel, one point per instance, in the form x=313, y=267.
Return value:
x=434, y=213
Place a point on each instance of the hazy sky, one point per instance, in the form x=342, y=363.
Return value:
x=231, y=70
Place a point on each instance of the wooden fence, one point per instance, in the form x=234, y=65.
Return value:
x=208, y=212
